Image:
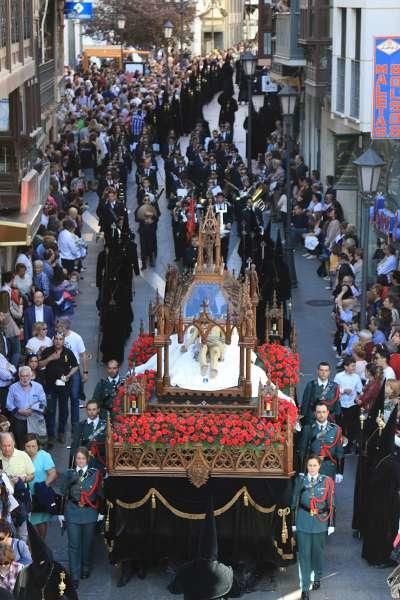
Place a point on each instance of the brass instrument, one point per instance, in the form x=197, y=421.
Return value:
x=254, y=194
x=231, y=185
x=256, y=199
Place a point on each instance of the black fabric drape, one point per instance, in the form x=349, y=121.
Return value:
x=152, y=534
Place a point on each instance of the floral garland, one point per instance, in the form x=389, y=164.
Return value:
x=280, y=363
x=214, y=430
x=142, y=349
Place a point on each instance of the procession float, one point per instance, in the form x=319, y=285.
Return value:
x=204, y=413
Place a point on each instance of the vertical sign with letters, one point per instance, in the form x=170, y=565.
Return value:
x=386, y=90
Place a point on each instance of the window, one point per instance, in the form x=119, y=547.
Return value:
x=343, y=32
x=4, y=115
x=355, y=69
x=355, y=89
x=8, y=163
x=15, y=21
x=27, y=19
x=267, y=38
x=340, y=81
x=3, y=24
x=357, y=48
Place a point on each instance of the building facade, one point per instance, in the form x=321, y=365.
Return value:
x=220, y=24
x=328, y=44
x=31, y=68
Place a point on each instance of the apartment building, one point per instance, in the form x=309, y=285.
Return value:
x=31, y=67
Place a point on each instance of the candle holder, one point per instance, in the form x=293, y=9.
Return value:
x=380, y=422
x=363, y=417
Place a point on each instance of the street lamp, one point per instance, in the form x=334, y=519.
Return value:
x=121, y=22
x=182, y=4
x=248, y=63
x=369, y=167
x=288, y=97
x=168, y=29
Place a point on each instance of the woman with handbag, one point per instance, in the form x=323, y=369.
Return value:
x=45, y=472
x=82, y=489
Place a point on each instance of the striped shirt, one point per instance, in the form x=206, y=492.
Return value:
x=137, y=123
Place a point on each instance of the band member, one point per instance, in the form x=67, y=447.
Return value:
x=224, y=212
x=147, y=216
x=323, y=439
x=313, y=517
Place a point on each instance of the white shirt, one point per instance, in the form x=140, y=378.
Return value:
x=323, y=383
x=388, y=373
x=74, y=342
x=114, y=379
x=322, y=426
x=84, y=469
x=348, y=382
x=282, y=203
x=23, y=259
x=35, y=343
x=387, y=265
x=39, y=314
x=68, y=246
x=94, y=421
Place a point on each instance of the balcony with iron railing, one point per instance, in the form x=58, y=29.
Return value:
x=314, y=22
x=287, y=25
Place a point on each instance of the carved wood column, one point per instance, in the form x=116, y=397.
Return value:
x=248, y=373
x=159, y=380
x=166, y=378
x=241, y=364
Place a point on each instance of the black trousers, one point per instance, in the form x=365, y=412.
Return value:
x=350, y=422
x=19, y=428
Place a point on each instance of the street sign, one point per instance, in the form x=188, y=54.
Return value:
x=267, y=85
x=386, y=88
x=78, y=10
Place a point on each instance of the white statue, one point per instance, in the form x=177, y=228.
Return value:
x=209, y=353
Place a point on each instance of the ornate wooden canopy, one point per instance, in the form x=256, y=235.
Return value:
x=209, y=296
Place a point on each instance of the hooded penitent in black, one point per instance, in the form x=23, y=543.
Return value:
x=204, y=578
x=383, y=506
x=40, y=580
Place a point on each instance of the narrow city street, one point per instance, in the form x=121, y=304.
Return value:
x=347, y=576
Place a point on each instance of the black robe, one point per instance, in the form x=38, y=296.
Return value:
x=383, y=510
x=30, y=587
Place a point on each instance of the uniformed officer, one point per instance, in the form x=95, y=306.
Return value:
x=313, y=508
x=91, y=433
x=323, y=439
x=82, y=488
x=322, y=389
x=106, y=389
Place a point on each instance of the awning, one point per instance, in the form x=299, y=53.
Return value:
x=19, y=230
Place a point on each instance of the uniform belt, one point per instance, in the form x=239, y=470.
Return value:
x=308, y=509
x=74, y=501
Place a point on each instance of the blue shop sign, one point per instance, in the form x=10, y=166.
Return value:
x=386, y=90
x=78, y=10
